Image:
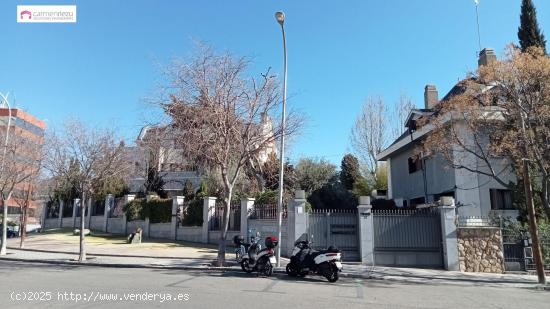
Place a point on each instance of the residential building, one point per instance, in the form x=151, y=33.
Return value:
x=158, y=145
x=26, y=133
x=415, y=179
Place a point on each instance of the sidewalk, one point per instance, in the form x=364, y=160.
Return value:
x=351, y=270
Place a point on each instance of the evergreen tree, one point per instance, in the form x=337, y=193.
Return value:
x=350, y=172
x=154, y=182
x=188, y=190
x=529, y=33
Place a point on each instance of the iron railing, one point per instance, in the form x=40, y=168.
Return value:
x=216, y=221
x=267, y=211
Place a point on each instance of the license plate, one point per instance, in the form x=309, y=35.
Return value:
x=338, y=265
x=272, y=260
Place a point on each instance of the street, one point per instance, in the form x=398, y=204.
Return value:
x=52, y=285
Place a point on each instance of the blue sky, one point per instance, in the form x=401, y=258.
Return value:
x=102, y=68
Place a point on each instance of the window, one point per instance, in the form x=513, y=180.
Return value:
x=501, y=199
x=415, y=164
x=417, y=201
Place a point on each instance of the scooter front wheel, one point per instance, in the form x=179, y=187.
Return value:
x=246, y=266
x=291, y=271
x=268, y=269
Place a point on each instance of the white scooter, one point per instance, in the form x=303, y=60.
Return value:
x=253, y=258
x=305, y=260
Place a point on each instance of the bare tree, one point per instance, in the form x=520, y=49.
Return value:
x=16, y=172
x=404, y=107
x=498, y=125
x=27, y=195
x=370, y=135
x=217, y=110
x=97, y=155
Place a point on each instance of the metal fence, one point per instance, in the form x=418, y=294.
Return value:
x=267, y=211
x=116, y=210
x=68, y=209
x=407, y=229
x=98, y=207
x=52, y=209
x=216, y=221
x=335, y=227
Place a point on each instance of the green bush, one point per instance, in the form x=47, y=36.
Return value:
x=544, y=235
x=134, y=210
x=157, y=210
x=193, y=213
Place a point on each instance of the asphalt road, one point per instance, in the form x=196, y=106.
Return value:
x=24, y=285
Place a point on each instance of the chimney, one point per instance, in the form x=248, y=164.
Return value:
x=430, y=96
x=486, y=56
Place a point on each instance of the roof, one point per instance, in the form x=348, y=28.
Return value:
x=463, y=86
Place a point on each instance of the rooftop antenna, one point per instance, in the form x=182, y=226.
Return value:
x=477, y=20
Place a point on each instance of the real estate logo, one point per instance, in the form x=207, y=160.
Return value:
x=46, y=13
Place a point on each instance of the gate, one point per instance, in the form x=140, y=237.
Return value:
x=408, y=238
x=335, y=227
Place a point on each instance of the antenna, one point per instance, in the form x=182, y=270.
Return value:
x=477, y=20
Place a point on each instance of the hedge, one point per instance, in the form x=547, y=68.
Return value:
x=157, y=210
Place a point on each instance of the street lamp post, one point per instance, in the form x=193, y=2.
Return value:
x=280, y=16
x=5, y=207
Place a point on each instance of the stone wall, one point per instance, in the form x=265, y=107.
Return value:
x=190, y=233
x=161, y=230
x=96, y=223
x=480, y=250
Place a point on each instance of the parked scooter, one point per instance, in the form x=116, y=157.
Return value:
x=253, y=258
x=241, y=248
x=304, y=260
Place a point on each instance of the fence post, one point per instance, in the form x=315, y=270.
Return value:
x=247, y=204
x=177, y=201
x=147, y=227
x=127, y=198
x=76, y=204
x=209, y=203
x=89, y=214
x=449, y=233
x=60, y=218
x=366, y=231
x=107, y=210
x=297, y=220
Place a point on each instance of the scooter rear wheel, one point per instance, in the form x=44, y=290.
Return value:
x=331, y=275
x=291, y=271
x=246, y=266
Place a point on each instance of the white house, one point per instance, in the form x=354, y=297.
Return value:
x=417, y=179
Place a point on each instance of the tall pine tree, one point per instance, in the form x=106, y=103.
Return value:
x=529, y=33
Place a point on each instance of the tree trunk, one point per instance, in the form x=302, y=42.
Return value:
x=82, y=252
x=544, y=196
x=225, y=223
x=24, y=218
x=23, y=226
x=537, y=254
x=225, y=227
x=4, y=227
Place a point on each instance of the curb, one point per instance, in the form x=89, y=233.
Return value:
x=109, y=255
x=121, y=265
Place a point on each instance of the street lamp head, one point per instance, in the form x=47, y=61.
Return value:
x=280, y=16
